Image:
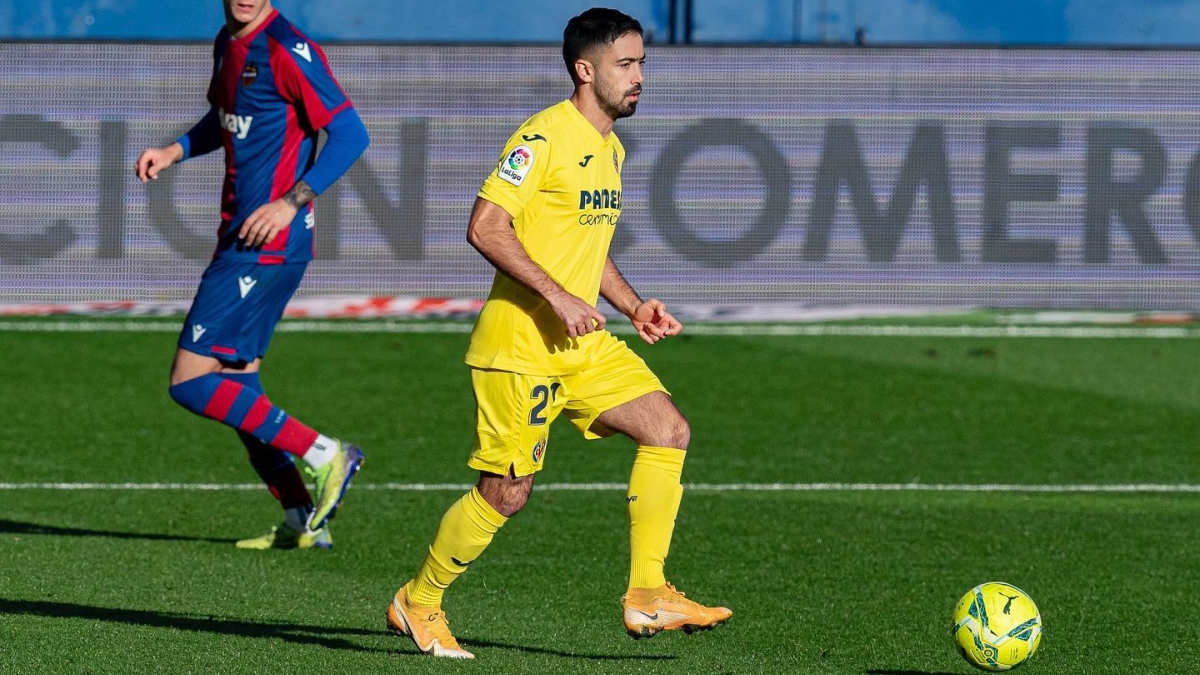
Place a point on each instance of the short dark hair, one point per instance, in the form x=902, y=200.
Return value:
x=593, y=28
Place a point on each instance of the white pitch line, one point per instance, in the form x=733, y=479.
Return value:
x=612, y=487
x=755, y=330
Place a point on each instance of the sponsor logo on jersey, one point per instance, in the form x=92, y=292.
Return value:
x=607, y=202
x=301, y=48
x=531, y=138
x=245, y=284
x=249, y=74
x=310, y=220
x=616, y=162
x=586, y=159
x=197, y=332
x=238, y=125
x=599, y=199
x=516, y=165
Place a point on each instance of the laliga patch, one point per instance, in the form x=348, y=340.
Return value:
x=516, y=165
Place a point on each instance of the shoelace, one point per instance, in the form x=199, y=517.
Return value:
x=441, y=629
x=674, y=590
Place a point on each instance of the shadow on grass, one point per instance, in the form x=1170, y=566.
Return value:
x=907, y=672
x=469, y=643
x=15, y=527
x=289, y=632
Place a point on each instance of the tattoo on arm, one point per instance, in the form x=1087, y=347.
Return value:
x=299, y=195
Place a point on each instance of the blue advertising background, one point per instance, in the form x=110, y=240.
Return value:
x=1031, y=178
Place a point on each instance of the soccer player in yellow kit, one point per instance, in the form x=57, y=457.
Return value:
x=544, y=218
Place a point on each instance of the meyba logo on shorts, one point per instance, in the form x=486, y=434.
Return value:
x=539, y=449
x=516, y=165
x=245, y=284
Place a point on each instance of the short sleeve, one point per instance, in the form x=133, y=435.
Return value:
x=519, y=173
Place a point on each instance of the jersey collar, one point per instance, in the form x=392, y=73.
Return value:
x=586, y=126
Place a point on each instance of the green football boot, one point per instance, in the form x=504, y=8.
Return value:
x=332, y=481
x=284, y=537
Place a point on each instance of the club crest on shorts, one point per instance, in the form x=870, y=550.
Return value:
x=249, y=74
x=539, y=449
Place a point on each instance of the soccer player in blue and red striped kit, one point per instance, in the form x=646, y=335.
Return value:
x=271, y=93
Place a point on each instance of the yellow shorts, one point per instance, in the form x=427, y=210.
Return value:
x=513, y=412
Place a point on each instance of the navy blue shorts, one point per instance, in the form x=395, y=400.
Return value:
x=236, y=308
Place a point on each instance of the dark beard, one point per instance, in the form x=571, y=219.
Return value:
x=616, y=111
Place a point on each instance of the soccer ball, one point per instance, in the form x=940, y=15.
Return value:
x=997, y=626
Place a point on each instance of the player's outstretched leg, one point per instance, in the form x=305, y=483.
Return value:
x=284, y=536
x=246, y=409
x=649, y=611
x=427, y=626
x=332, y=480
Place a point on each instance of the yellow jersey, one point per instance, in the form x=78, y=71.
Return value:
x=560, y=180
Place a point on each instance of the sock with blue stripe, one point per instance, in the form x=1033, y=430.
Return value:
x=224, y=399
x=275, y=467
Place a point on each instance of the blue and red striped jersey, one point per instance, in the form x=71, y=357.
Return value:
x=272, y=91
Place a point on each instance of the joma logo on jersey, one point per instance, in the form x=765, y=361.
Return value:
x=238, y=125
x=599, y=199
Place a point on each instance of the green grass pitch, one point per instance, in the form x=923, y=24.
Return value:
x=846, y=581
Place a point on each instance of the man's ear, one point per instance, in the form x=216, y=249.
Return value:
x=584, y=71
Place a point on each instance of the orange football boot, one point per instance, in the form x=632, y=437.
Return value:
x=426, y=626
x=651, y=610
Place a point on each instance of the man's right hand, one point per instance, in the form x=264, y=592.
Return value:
x=579, y=317
x=153, y=160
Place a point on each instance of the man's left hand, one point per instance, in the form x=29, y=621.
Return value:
x=266, y=222
x=653, y=322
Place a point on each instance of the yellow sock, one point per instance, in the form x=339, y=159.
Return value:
x=466, y=530
x=653, y=500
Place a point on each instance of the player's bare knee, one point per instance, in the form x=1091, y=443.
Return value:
x=512, y=500
x=671, y=432
x=507, y=495
x=679, y=433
